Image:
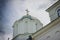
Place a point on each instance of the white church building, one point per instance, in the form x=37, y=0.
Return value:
x=26, y=26
x=52, y=30
x=29, y=25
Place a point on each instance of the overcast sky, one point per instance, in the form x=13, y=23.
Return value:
x=15, y=9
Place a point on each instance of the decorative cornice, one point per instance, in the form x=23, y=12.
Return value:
x=46, y=28
x=54, y=5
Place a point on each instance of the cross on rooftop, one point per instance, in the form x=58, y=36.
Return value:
x=27, y=11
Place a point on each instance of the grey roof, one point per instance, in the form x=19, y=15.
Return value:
x=27, y=16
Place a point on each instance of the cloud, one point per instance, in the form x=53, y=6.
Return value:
x=34, y=4
x=38, y=4
x=15, y=9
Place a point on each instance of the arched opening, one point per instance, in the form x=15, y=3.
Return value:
x=58, y=12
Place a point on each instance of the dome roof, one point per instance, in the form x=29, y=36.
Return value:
x=28, y=26
x=29, y=17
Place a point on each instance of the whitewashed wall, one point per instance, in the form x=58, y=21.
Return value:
x=52, y=34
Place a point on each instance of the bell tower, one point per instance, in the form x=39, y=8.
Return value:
x=54, y=11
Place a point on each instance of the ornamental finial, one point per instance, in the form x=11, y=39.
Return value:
x=27, y=11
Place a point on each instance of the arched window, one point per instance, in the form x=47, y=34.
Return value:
x=58, y=11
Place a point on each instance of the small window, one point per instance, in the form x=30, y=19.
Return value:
x=26, y=21
x=58, y=11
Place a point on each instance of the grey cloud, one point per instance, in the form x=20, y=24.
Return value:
x=7, y=19
x=46, y=4
x=22, y=0
x=42, y=6
x=2, y=3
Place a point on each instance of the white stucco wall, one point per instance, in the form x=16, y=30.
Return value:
x=52, y=34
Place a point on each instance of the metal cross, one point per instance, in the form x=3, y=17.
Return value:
x=27, y=11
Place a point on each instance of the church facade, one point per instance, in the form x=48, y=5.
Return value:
x=49, y=32
x=26, y=26
x=52, y=30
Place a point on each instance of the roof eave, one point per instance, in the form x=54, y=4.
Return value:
x=51, y=7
